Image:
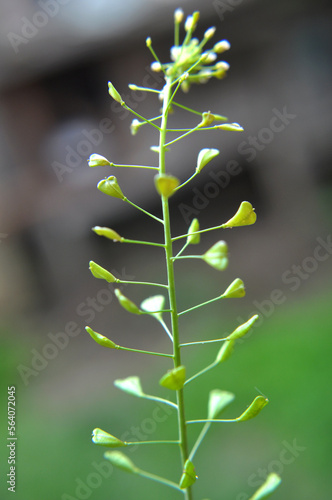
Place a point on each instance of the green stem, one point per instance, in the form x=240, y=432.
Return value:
x=137, y=242
x=132, y=166
x=121, y=348
x=188, y=257
x=140, y=116
x=203, y=342
x=194, y=111
x=206, y=369
x=134, y=443
x=199, y=440
x=199, y=232
x=142, y=283
x=186, y=182
x=190, y=131
x=171, y=283
x=159, y=479
x=201, y=305
x=144, y=211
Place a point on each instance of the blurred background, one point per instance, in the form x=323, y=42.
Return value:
x=56, y=59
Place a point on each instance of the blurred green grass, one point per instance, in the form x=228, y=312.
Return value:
x=287, y=359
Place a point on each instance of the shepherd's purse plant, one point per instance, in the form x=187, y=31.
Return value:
x=191, y=63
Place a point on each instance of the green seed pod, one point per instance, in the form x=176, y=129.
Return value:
x=256, y=406
x=270, y=484
x=174, y=379
x=232, y=127
x=98, y=161
x=114, y=93
x=205, y=156
x=105, y=439
x=245, y=216
x=111, y=187
x=225, y=351
x=216, y=256
x=218, y=400
x=126, y=303
x=166, y=184
x=235, y=290
x=188, y=476
x=121, y=461
x=100, y=339
x=101, y=273
x=193, y=239
x=153, y=305
x=131, y=385
x=108, y=233
x=207, y=119
x=241, y=330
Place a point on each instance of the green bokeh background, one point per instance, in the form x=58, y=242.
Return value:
x=287, y=358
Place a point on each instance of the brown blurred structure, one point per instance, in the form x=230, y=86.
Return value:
x=56, y=59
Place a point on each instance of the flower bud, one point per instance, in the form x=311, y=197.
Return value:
x=193, y=239
x=166, y=184
x=235, y=290
x=178, y=16
x=209, y=33
x=108, y=233
x=105, y=439
x=174, y=379
x=209, y=57
x=188, y=476
x=216, y=256
x=114, y=93
x=221, y=69
x=111, y=187
x=148, y=41
x=222, y=46
x=98, y=161
x=126, y=303
x=245, y=216
x=205, y=156
x=101, y=273
x=191, y=22
x=100, y=339
x=156, y=67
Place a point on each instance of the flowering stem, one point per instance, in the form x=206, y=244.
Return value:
x=171, y=283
